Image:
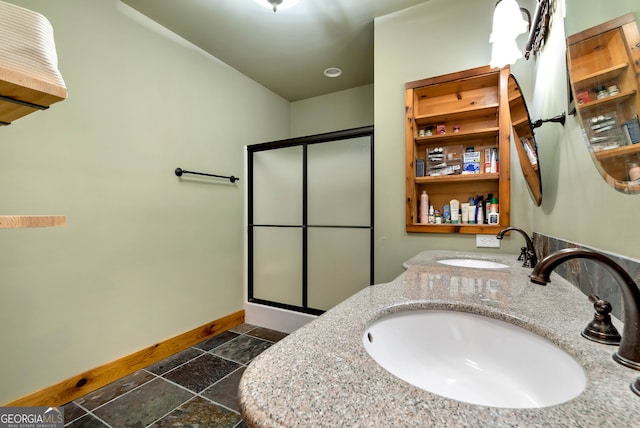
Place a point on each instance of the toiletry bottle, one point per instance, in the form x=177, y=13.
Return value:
x=494, y=161
x=446, y=213
x=455, y=211
x=497, y=161
x=424, y=207
x=487, y=207
x=480, y=217
x=432, y=216
x=493, y=217
x=464, y=212
x=472, y=210
x=480, y=210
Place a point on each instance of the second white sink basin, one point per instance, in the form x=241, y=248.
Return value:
x=473, y=358
x=473, y=263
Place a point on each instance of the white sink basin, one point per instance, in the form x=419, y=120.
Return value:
x=473, y=263
x=473, y=358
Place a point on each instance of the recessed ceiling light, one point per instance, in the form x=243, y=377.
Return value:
x=332, y=72
x=277, y=4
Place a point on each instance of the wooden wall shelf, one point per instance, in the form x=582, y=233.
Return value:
x=23, y=95
x=25, y=221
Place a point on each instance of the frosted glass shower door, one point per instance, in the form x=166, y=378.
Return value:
x=339, y=220
x=277, y=242
x=310, y=231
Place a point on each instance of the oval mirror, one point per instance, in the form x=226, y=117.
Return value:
x=525, y=141
x=604, y=71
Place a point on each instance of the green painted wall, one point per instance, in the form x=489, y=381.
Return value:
x=351, y=108
x=579, y=205
x=583, y=14
x=144, y=256
x=437, y=37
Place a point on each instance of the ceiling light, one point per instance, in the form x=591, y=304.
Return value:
x=508, y=24
x=332, y=72
x=277, y=4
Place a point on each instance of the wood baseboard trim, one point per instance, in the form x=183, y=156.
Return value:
x=84, y=383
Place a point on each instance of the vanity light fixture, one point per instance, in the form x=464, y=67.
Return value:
x=508, y=24
x=278, y=4
x=332, y=72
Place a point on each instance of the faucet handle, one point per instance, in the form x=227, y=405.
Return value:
x=601, y=329
x=523, y=254
x=530, y=259
x=635, y=386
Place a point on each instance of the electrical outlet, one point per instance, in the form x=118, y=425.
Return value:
x=487, y=241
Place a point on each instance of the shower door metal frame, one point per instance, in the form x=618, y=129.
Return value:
x=366, y=131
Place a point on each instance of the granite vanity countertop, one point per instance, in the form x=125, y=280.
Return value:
x=321, y=375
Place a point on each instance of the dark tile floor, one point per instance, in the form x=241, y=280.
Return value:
x=194, y=388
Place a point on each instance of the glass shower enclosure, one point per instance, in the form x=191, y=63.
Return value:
x=310, y=220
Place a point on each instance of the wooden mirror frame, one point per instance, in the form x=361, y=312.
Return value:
x=605, y=56
x=525, y=141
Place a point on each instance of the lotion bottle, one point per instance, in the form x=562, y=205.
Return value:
x=455, y=211
x=472, y=211
x=424, y=207
x=464, y=213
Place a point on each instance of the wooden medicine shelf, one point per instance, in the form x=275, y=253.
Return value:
x=489, y=229
x=454, y=136
x=603, y=102
x=599, y=77
x=464, y=113
x=476, y=101
x=606, y=58
x=457, y=178
x=619, y=151
x=517, y=122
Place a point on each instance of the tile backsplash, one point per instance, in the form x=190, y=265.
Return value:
x=589, y=276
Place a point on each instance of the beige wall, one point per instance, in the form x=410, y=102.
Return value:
x=144, y=256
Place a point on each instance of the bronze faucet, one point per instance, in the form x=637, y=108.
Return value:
x=528, y=254
x=628, y=353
